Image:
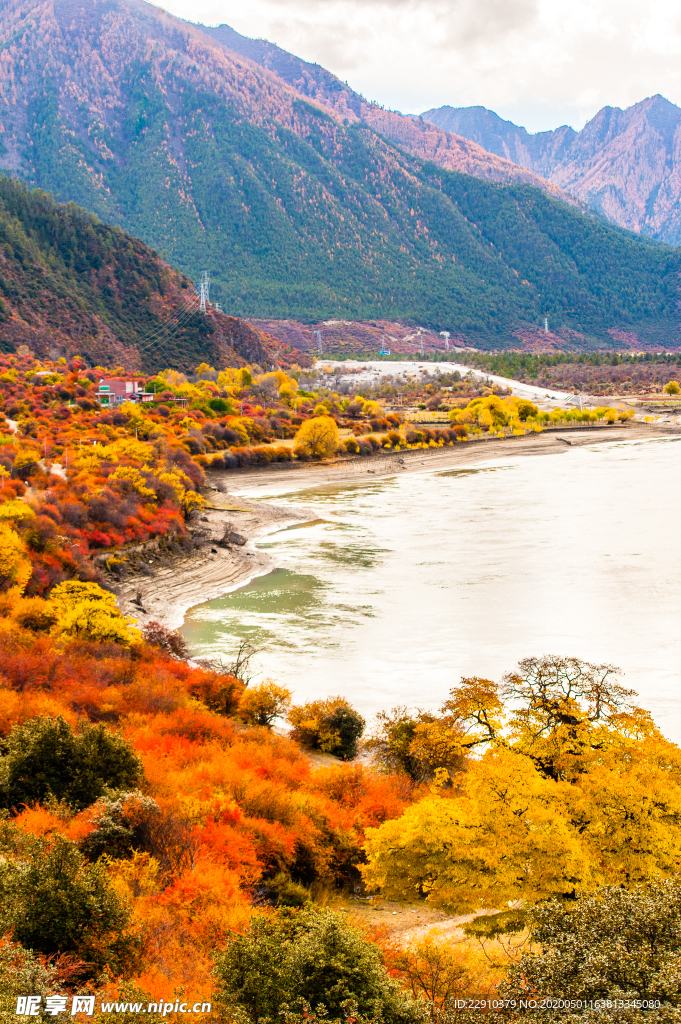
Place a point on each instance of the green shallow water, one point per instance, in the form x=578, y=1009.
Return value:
x=405, y=584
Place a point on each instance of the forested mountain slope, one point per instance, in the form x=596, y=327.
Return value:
x=418, y=136
x=70, y=284
x=624, y=163
x=219, y=164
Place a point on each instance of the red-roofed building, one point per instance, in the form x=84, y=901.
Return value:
x=113, y=391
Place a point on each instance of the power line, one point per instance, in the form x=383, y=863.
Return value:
x=166, y=332
x=185, y=311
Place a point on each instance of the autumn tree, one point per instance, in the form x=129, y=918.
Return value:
x=501, y=837
x=416, y=743
x=169, y=640
x=86, y=611
x=563, y=708
x=318, y=438
x=672, y=388
x=437, y=969
x=260, y=705
x=569, y=788
x=330, y=725
x=15, y=567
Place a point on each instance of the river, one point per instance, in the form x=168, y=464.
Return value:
x=403, y=585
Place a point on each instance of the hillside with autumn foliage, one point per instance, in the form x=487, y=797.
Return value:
x=162, y=845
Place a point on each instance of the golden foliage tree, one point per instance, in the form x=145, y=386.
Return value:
x=317, y=438
x=575, y=789
x=260, y=705
x=15, y=567
x=86, y=611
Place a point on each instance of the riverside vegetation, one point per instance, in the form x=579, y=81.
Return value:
x=157, y=837
x=102, y=479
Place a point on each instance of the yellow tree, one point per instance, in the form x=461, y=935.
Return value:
x=500, y=837
x=85, y=611
x=15, y=566
x=260, y=705
x=576, y=789
x=317, y=438
x=437, y=970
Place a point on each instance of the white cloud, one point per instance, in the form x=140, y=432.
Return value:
x=540, y=63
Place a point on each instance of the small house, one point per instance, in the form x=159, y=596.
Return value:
x=113, y=391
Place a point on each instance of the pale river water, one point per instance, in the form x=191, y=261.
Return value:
x=407, y=583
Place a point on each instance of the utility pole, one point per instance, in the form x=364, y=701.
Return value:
x=204, y=290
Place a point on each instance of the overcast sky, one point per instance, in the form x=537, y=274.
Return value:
x=540, y=63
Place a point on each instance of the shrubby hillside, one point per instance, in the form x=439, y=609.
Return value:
x=220, y=165
x=160, y=844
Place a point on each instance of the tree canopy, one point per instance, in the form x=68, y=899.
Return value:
x=561, y=786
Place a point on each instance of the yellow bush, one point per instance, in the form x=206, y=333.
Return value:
x=25, y=457
x=15, y=567
x=260, y=705
x=373, y=411
x=134, y=479
x=87, y=612
x=16, y=511
x=318, y=438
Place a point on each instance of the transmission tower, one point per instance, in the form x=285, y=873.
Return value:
x=445, y=335
x=204, y=290
x=318, y=336
x=546, y=326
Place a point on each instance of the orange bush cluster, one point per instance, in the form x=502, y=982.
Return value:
x=237, y=805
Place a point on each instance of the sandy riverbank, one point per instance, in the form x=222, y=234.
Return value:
x=175, y=581
x=179, y=580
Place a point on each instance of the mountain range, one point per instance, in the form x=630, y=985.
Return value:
x=625, y=164
x=301, y=198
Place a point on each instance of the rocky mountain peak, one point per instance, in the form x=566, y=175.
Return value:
x=624, y=163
